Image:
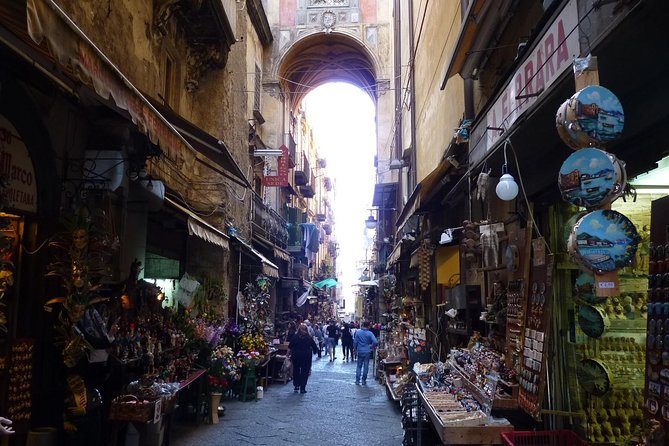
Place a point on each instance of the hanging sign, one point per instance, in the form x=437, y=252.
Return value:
x=278, y=170
x=16, y=170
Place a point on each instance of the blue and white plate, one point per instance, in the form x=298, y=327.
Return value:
x=593, y=116
x=592, y=177
x=603, y=241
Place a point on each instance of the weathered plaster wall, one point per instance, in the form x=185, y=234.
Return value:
x=438, y=112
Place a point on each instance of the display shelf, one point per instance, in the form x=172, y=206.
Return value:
x=391, y=392
x=484, y=434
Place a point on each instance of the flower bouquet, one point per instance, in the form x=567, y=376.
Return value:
x=249, y=359
x=253, y=342
x=223, y=370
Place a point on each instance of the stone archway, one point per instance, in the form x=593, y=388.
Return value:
x=327, y=57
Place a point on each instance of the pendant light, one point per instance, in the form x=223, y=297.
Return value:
x=507, y=188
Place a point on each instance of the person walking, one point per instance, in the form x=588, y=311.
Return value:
x=354, y=329
x=364, y=343
x=301, y=349
x=318, y=338
x=292, y=329
x=346, y=342
x=332, y=332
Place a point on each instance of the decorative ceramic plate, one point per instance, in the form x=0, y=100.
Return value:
x=584, y=289
x=593, y=321
x=591, y=117
x=561, y=126
x=592, y=177
x=594, y=377
x=603, y=241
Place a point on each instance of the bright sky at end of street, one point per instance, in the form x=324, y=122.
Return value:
x=343, y=119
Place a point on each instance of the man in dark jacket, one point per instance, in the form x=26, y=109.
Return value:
x=301, y=349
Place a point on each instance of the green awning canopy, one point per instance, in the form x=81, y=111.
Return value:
x=327, y=283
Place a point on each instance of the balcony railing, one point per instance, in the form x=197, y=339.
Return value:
x=307, y=190
x=294, y=218
x=268, y=223
x=303, y=172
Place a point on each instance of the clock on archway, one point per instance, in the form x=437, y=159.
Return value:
x=594, y=377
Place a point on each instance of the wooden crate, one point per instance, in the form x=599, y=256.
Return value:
x=487, y=434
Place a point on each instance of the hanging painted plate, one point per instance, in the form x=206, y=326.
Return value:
x=593, y=321
x=569, y=225
x=561, y=126
x=584, y=289
x=594, y=116
x=594, y=377
x=603, y=241
x=592, y=177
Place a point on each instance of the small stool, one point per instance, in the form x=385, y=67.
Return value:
x=248, y=389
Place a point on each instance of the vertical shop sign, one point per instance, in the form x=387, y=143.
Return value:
x=16, y=170
x=278, y=170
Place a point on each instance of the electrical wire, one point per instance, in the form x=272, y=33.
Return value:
x=527, y=202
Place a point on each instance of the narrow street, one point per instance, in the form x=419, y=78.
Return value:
x=334, y=411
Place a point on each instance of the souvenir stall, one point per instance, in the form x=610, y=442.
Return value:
x=606, y=288
x=459, y=409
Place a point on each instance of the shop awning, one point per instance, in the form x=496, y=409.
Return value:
x=326, y=283
x=367, y=283
x=268, y=268
x=210, y=146
x=200, y=228
x=423, y=191
x=384, y=195
x=69, y=45
x=281, y=254
x=395, y=254
x=469, y=33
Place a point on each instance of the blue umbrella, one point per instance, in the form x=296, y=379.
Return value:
x=327, y=283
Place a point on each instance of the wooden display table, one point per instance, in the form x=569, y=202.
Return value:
x=454, y=435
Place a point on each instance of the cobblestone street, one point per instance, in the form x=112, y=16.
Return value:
x=334, y=411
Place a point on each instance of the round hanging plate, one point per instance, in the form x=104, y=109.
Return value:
x=561, y=126
x=594, y=377
x=593, y=321
x=584, y=289
x=591, y=177
x=593, y=116
x=603, y=241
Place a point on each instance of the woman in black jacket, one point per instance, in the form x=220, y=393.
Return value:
x=301, y=349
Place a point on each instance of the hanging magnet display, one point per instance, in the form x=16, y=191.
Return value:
x=593, y=116
x=592, y=177
x=603, y=241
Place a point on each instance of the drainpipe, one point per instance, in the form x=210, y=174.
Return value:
x=399, y=144
x=412, y=86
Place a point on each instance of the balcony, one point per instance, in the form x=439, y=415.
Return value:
x=294, y=218
x=327, y=228
x=308, y=190
x=303, y=173
x=267, y=223
x=321, y=217
x=327, y=182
